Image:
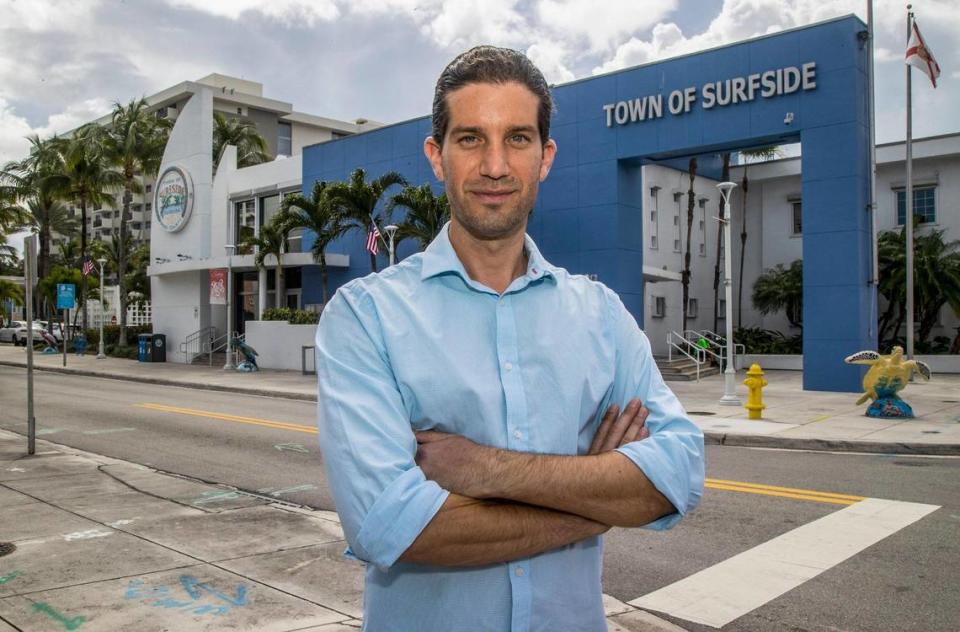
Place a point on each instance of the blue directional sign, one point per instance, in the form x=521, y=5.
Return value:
x=66, y=296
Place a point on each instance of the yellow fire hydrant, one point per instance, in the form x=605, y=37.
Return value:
x=755, y=384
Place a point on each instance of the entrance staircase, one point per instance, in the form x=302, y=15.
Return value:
x=683, y=369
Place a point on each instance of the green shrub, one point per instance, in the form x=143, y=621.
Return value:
x=292, y=316
x=111, y=334
x=757, y=340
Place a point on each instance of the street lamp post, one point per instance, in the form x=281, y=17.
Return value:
x=100, y=354
x=729, y=375
x=228, y=365
x=391, y=231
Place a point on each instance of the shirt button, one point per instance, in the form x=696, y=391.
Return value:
x=517, y=434
x=508, y=366
x=519, y=572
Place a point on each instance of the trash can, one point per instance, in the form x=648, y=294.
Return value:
x=159, y=348
x=143, y=347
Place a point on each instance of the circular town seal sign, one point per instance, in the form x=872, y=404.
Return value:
x=173, y=200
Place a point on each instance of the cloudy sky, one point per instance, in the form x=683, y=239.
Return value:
x=64, y=63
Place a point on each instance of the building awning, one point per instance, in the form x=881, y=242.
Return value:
x=656, y=275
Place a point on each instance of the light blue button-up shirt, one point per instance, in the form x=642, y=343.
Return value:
x=422, y=346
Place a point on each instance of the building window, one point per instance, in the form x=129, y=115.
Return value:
x=797, y=217
x=691, y=308
x=676, y=245
x=722, y=310
x=284, y=139
x=659, y=306
x=245, y=218
x=653, y=242
x=703, y=250
x=149, y=188
x=149, y=206
x=269, y=206
x=924, y=205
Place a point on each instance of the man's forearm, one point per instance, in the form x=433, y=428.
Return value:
x=471, y=532
x=607, y=488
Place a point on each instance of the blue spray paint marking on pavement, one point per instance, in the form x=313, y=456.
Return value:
x=9, y=577
x=196, y=591
x=68, y=624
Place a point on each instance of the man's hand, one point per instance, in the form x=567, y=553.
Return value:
x=617, y=429
x=454, y=462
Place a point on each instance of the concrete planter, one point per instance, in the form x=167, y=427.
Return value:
x=771, y=361
x=279, y=344
x=937, y=363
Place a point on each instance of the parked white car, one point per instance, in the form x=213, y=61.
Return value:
x=16, y=332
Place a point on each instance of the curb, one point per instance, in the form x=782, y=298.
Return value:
x=710, y=438
x=831, y=445
x=308, y=397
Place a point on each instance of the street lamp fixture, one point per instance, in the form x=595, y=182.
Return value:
x=391, y=231
x=228, y=365
x=100, y=354
x=729, y=375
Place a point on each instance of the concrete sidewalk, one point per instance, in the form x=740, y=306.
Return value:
x=793, y=419
x=103, y=544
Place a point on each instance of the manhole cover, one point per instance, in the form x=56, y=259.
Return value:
x=6, y=548
x=699, y=412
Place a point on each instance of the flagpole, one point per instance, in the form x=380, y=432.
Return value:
x=908, y=215
x=874, y=263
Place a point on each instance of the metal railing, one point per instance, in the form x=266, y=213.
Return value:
x=198, y=343
x=220, y=344
x=718, y=342
x=686, y=348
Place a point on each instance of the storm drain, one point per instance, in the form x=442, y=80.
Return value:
x=6, y=548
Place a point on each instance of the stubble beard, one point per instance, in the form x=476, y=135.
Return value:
x=484, y=223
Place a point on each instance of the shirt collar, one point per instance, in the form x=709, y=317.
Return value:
x=440, y=257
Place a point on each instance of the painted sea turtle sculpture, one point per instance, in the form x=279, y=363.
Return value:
x=888, y=375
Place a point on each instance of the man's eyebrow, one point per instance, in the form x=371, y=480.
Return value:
x=471, y=129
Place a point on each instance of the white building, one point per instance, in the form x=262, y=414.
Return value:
x=774, y=229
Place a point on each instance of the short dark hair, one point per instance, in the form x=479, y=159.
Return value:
x=490, y=64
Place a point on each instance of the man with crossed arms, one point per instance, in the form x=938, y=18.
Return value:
x=470, y=396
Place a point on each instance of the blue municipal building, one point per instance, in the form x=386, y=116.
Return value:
x=625, y=141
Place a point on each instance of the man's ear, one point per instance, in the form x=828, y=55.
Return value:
x=549, y=153
x=431, y=149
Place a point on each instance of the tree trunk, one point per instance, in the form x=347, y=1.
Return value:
x=122, y=262
x=744, y=184
x=685, y=278
x=83, y=257
x=280, y=294
x=43, y=264
x=373, y=262
x=724, y=177
x=323, y=278
x=882, y=330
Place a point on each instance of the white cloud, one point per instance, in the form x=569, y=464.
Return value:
x=15, y=128
x=13, y=132
x=288, y=12
x=548, y=56
x=57, y=15
x=602, y=27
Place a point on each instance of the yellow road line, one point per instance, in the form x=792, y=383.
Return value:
x=785, y=492
x=267, y=423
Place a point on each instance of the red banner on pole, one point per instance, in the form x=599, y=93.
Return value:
x=218, y=286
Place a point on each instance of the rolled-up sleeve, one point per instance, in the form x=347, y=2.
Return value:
x=672, y=458
x=383, y=498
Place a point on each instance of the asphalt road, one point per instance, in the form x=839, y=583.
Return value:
x=907, y=581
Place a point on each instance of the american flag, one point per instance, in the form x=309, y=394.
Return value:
x=87, y=266
x=373, y=239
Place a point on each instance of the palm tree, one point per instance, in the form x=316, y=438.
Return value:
x=250, y=144
x=760, y=153
x=318, y=215
x=780, y=288
x=356, y=200
x=724, y=177
x=10, y=291
x=936, y=275
x=685, y=277
x=426, y=214
x=134, y=144
x=272, y=241
x=86, y=178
